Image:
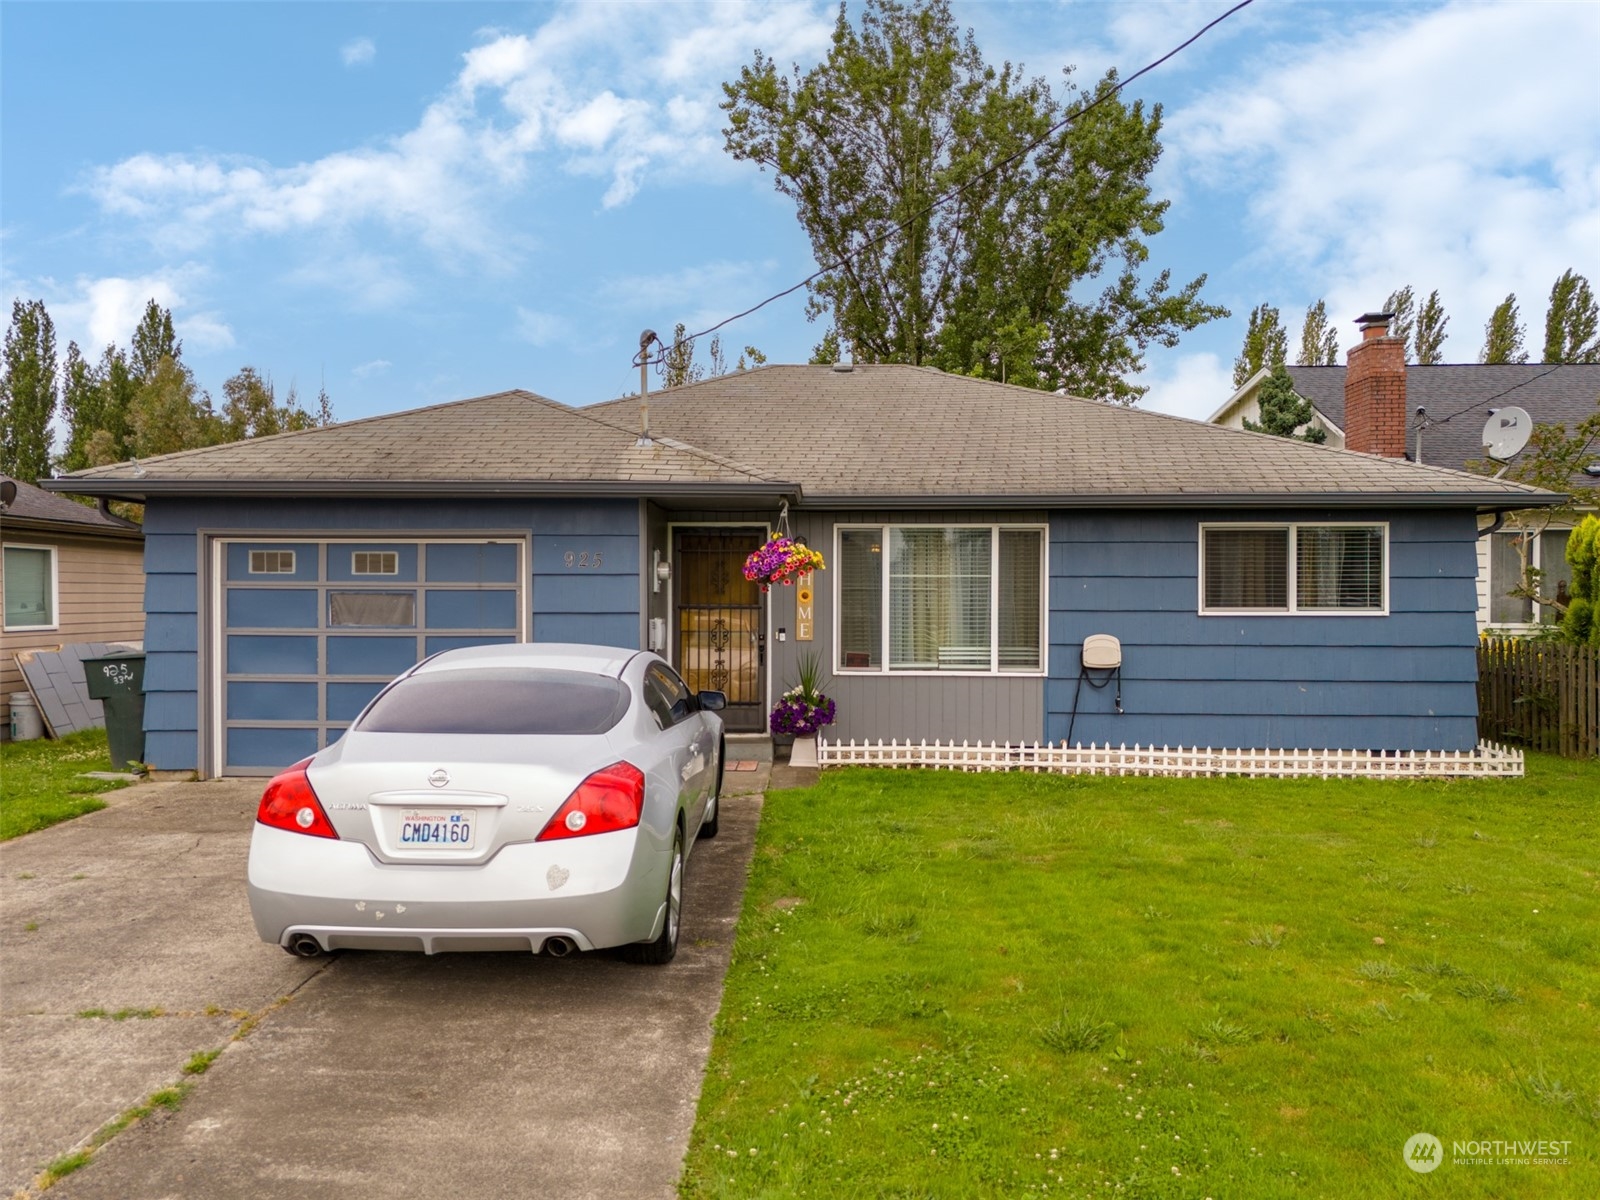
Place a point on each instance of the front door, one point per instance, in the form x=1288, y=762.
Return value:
x=720, y=641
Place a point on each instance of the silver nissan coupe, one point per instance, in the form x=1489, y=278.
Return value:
x=538, y=797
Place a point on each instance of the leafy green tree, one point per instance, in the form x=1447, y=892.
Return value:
x=324, y=416
x=828, y=349
x=1503, y=334
x=170, y=413
x=28, y=392
x=153, y=340
x=1572, y=323
x=995, y=282
x=1283, y=411
x=96, y=400
x=249, y=407
x=1319, y=341
x=1266, y=344
x=678, y=367
x=1428, y=344
x=1403, y=305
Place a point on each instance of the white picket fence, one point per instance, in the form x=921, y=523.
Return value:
x=1489, y=759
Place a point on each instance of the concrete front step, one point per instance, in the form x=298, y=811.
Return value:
x=749, y=747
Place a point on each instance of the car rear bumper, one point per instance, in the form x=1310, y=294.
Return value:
x=602, y=891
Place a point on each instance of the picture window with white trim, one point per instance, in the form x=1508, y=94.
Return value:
x=936, y=598
x=1272, y=569
x=30, y=587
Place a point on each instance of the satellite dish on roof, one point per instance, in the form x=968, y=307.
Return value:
x=1506, y=432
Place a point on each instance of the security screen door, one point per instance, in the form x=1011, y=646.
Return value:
x=720, y=643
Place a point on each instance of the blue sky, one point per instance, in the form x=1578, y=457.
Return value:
x=418, y=202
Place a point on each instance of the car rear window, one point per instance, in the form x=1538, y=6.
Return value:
x=499, y=700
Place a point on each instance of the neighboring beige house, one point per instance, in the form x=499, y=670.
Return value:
x=1456, y=400
x=68, y=574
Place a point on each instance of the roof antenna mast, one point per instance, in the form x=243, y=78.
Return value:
x=646, y=340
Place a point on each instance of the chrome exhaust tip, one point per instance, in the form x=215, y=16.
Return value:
x=304, y=945
x=559, y=947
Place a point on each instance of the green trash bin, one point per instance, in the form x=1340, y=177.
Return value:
x=117, y=681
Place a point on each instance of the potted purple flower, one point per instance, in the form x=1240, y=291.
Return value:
x=803, y=710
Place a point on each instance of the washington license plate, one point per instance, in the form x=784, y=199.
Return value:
x=447, y=828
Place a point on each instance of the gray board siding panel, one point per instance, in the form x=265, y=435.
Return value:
x=905, y=707
x=172, y=547
x=1402, y=681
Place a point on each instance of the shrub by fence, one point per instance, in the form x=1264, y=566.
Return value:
x=1544, y=695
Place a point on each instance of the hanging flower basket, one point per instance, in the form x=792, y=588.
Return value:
x=779, y=560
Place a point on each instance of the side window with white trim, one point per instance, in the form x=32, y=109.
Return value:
x=30, y=587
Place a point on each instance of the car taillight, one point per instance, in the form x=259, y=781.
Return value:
x=291, y=803
x=610, y=799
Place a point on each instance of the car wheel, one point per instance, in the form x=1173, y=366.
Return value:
x=709, y=822
x=664, y=947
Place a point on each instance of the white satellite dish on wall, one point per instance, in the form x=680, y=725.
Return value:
x=1506, y=432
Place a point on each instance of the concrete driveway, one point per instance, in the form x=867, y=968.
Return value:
x=366, y=1074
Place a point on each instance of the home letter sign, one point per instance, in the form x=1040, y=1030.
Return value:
x=805, y=609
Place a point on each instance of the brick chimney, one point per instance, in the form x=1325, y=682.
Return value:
x=1375, y=390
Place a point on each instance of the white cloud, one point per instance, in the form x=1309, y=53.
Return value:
x=1188, y=385
x=1450, y=148
x=95, y=312
x=576, y=95
x=358, y=52
x=704, y=294
x=541, y=328
x=368, y=281
x=367, y=370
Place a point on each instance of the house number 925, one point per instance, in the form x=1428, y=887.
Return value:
x=587, y=559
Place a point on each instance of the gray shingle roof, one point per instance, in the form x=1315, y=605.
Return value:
x=36, y=508
x=906, y=434
x=1464, y=393
x=511, y=437
x=913, y=432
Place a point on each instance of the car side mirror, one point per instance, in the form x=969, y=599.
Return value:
x=713, y=701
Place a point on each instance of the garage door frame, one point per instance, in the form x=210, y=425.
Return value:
x=212, y=646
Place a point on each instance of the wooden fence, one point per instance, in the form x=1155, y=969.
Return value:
x=1543, y=695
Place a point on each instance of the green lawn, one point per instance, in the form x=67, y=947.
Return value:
x=1001, y=985
x=41, y=781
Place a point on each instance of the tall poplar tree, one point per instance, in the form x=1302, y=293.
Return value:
x=1503, y=334
x=1266, y=344
x=153, y=340
x=1319, y=341
x=28, y=392
x=1428, y=344
x=1572, y=323
x=996, y=282
x=1403, y=305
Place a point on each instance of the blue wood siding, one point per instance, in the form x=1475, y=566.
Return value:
x=576, y=603
x=1405, y=681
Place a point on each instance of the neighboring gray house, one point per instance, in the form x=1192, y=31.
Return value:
x=1457, y=399
x=1267, y=593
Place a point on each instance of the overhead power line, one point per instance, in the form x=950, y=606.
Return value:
x=1497, y=395
x=941, y=201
